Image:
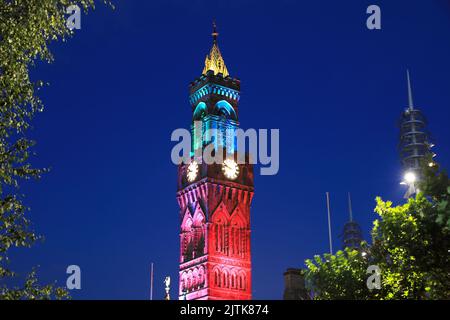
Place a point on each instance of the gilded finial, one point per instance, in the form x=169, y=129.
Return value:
x=215, y=34
x=214, y=61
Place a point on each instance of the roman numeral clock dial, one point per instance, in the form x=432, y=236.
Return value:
x=230, y=169
x=192, y=171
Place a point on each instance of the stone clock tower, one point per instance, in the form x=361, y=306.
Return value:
x=214, y=199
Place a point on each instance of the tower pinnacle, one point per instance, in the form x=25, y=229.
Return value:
x=215, y=34
x=410, y=96
x=214, y=60
x=350, y=211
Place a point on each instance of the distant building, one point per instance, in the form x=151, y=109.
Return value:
x=414, y=144
x=294, y=285
x=352, y=235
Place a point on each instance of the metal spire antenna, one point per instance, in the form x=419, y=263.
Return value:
x=329, y=222
x=151, y=281
x=352, y=235
x=410, y=96
x=350, y=206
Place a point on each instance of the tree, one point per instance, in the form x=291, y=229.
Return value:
x=410, y=245
x=339, y=276
x=26, y=29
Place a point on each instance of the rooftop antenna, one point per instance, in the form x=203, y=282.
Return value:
x=352, y=235
x=350, y=207
x=151, y=281
x=329, y=222
x=410, y=96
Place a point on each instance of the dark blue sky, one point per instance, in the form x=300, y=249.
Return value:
x=310, y=68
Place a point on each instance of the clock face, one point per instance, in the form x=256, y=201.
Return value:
x=192, y=171
x=230, y=169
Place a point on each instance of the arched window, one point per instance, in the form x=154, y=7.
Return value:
x=201, y=277
x=223, y=108
x=183, y=282
x=195, y=279
x=220, y=237
x=216, y=235
x=188, y=283
x=217, y=278
x=237, y=224
x=220, y=230
x=236, y=241
x=199, y=111
x=231, y=240
x=225, y=283
x=243, y=280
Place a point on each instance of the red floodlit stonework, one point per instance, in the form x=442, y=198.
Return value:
x=215, y=255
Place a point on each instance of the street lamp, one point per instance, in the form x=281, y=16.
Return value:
x=410, y=177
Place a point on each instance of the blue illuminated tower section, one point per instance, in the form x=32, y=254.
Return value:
x=214, y=99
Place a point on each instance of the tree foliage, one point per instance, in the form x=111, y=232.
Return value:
x=410, y=245
x=325, y=275
x=27, y=27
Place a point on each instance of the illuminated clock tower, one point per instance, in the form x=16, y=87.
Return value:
x=214, y=199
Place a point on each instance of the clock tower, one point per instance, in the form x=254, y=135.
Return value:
x=214, y=199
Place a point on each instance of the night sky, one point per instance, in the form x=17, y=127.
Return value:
x=310, y=68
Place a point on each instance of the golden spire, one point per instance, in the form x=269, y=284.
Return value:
x=214, y=60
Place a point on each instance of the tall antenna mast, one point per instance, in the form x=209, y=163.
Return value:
x=151, y=281
x=329, y=222
x=410, y=96
x=352, y=235
x=350, y=206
